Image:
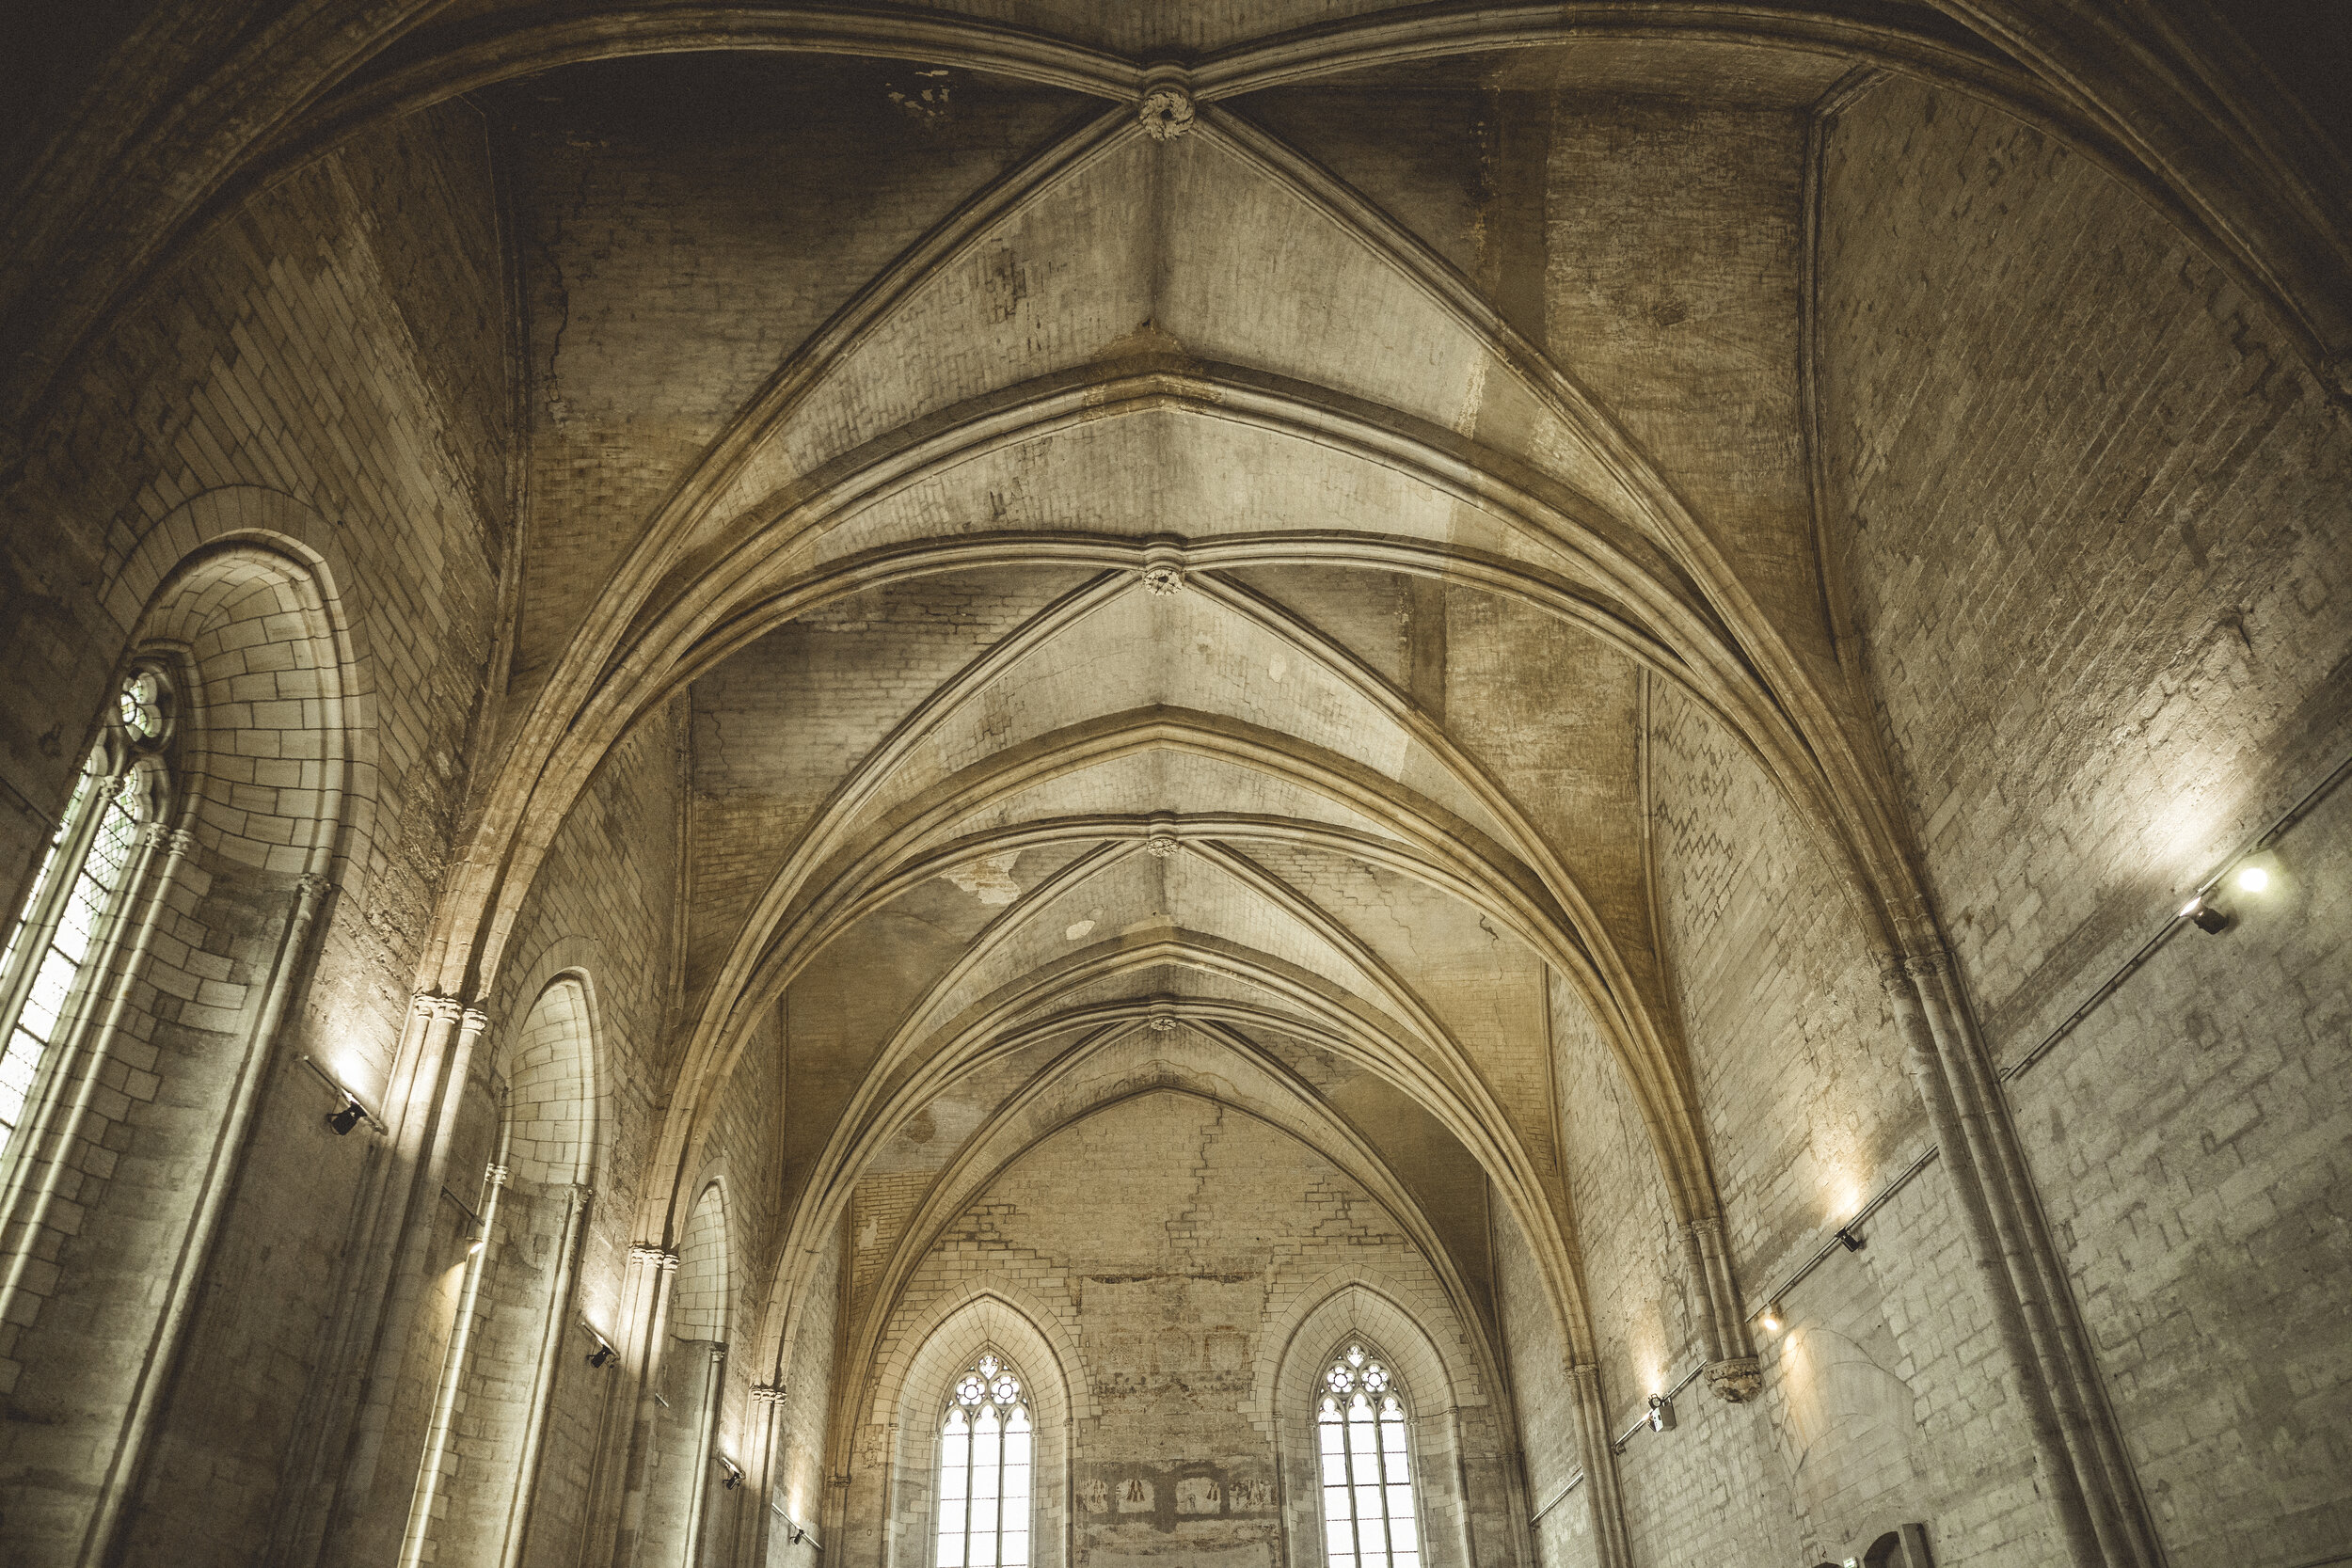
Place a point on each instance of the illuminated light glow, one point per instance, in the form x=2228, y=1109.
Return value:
x=2253, y=879
x=2192, y=906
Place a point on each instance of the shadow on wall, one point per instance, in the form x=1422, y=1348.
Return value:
x=1905, y=1546
x=1847, y=1427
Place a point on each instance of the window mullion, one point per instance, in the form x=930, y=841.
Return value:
x=45, y=911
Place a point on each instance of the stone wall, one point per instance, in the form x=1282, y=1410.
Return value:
x=2095, y=522
x=1168, y=1241
x=311, y=403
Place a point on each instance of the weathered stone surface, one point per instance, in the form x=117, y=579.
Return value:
x=1097, y=686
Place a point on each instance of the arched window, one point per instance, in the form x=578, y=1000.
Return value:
x=1368, y=1518
x=984, y=1448
x=65, y=920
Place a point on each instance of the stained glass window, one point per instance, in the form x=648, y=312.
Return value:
x=1368, y=1519
x=985, y=1444
x=63, y=921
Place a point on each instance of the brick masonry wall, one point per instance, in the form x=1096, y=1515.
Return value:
x=2095, y=522
x=661, y=210
x=1224, y=1231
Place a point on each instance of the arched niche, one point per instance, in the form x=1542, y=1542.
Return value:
x=1442, y=1387
x=201, y=1039
x=515, y=1474
x=911, y=1386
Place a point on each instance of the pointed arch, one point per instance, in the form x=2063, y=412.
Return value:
x=518, y=1380
x=912, y=1377
x=1373, y=1313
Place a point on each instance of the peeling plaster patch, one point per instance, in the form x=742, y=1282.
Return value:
x=989, y=879
x=1081, y=927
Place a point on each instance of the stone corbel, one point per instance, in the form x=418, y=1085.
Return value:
x=1735, y=1379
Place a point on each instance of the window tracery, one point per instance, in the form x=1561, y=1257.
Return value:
x=985, y=1444
x=1368, y=1515
x=64, y=921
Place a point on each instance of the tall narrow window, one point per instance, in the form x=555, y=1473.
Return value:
x=81, y=875
x=1368, y=1519
x=984, y=1448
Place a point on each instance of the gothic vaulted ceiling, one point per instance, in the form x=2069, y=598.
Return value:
x=1169, y=565
x=1160, y=603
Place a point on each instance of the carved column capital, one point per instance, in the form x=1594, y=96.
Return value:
x=1894, y=976
x=768, y=1393
x=653, y=1256
x=443, y=1009
x=1933, y=964
x=1735, y=1379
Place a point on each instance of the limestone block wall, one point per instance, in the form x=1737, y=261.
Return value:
x=311, y=403
x=2094, y=523
x=1559, y=1506
x=603, y=909
x=741, y=247
x=1161, y=1256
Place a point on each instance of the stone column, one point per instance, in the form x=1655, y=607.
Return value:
x=543, y=1384
x=656, y=1268
x=2037, y=1278
x=1611, y=1548
x=1957, y=1151
x=369, y=1511
x=759, y=1473
x=1733, y=1373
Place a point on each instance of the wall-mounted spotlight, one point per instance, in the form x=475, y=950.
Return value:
x=1661, y=1412
x=735, y=1473
x=603, y=1353
x=799, y=1535
x=1849, y=1239
x=2252, y=878
x=2206, y=918
x=349, y=1113
x=1770, y=1320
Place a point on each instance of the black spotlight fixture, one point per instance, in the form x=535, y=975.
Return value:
x=2204, y=916
x=1849, y=1240
x=345, y=1119
x=604, y=1353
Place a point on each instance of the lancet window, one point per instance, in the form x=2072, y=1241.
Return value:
x=985, y=1444
x=1360, y=1435
x=46, y=973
